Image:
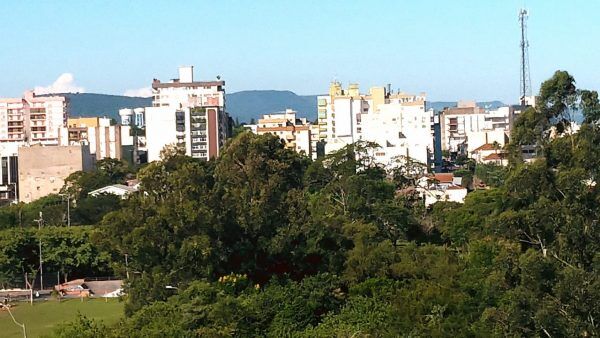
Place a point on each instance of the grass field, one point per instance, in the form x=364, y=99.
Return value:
x=42, y=317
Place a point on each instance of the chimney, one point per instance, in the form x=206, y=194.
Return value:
x=186, y=74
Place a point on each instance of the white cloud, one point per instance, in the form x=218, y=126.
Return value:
x=65, y=83
x=140, y=92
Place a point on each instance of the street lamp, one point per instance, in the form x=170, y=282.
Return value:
x=40, y=222
x=68, y=196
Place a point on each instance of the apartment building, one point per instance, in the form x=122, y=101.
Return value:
x=43, y=170
x=397, y=122
x=133, y=117
x=9, y=171
x=32, y=118
x=296, y=132
x=467, y=127
x=188, y=113
x=104, y=139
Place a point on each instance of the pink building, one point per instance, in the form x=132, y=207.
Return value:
x=32, y=118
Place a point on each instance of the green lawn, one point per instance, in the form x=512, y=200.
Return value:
x=42, y=317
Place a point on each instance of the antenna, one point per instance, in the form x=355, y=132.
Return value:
x=525, y=86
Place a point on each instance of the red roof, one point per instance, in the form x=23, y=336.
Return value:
x=444, y=177
x=494, y=156
x=486, y=147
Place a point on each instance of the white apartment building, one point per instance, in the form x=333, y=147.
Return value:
x=133, y=117
x=296, y=132
x=187, y=113
x=32, y=118
x=468, y=127
x=397, y=122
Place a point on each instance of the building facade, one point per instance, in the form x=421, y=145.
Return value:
x=43, y=170
x=466, y=127
x=397, y=122
x=32, y=118
x=189, y=114
x=104, y=139
x=296, y=132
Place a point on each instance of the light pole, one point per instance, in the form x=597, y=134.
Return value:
x=68, y=196
x=40, y=222
x=17, y=323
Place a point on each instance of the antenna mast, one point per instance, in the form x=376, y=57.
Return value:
x=525, y=87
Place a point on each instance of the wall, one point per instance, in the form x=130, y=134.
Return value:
x=42, y=170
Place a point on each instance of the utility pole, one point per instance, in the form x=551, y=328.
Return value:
x=40, y=222
x=524, y=76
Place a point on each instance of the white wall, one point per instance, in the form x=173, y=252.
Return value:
x=160, y=130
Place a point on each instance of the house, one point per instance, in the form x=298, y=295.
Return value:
x=441, y=187
x=490, y=154
x=115, y=189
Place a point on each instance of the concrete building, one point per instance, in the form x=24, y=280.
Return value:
x=42, y=170
x=397, y=122
x=189, y=114
x=296, y=132
x=466, y=127
x=133, y=117
x=104, y=139
x=32, y=118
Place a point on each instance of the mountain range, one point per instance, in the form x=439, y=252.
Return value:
x=242, y=106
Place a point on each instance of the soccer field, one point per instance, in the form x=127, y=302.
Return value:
x=42, y=317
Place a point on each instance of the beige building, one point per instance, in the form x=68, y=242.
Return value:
x=103, y=138
x=296, y=132
x=42, y=170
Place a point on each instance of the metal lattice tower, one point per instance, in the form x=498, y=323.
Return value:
x=525, y=86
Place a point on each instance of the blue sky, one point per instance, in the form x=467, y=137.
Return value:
x=449, y=49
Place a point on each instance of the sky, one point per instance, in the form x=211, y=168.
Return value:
x=451, y=50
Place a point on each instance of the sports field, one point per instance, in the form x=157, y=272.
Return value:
x=42, y=317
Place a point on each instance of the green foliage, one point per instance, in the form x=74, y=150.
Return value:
x=491, y=174
x=262, y=242
x=65, y=250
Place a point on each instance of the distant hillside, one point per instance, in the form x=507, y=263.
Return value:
x=87, y=104
x=244, y=105
x=249, y=104
x=439, y=105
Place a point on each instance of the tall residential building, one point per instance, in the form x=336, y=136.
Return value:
x=42, y=170
x=296, y=132
x=467, y=127
x=32, y=118
x=188, y=113
x=397, y=122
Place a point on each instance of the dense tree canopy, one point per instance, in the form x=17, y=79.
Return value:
x=265, y=242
